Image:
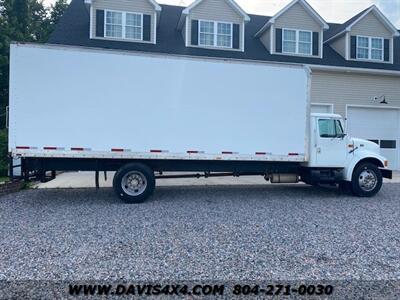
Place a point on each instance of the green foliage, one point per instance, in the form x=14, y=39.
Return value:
x=21, y=21
x=57, y=10
x=3, y=152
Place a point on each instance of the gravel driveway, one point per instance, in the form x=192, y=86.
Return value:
x=223, y=233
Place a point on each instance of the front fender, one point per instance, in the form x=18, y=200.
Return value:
x=358, y=156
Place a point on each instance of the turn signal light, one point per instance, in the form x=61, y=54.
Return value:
x=386, y=163
x=350, y=146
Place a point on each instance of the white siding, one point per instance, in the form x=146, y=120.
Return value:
x=350, y=88
x=266, y=39
x=370, y=25
x=139, y=6
x=297, y=17
x=339, y=45
x=215, y=10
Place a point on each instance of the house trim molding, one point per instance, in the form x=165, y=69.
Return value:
x=156, y=6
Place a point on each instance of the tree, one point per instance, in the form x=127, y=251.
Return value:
x=56, y=11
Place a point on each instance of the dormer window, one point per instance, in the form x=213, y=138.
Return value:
x=206, y=33
x=370, y=48
x=215, y=34
x=113, y=24
x=297, y=29
x=126, y=21
x=217, y=26
x=368, y=36
x=134, y=26
x=123, y=25
x=289, y=41
x=297, y=41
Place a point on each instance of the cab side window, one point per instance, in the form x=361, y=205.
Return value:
x=329, y=128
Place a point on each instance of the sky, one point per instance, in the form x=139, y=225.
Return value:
x=331, y=10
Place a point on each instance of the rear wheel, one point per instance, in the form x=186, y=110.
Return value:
x=366, y=180
x=134, y=182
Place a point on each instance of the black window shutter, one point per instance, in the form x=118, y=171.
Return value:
x=236, y=36
x=146, y=27
x=353, y=47
x=99, y=22
x=278, y=40
x=195, y=32
x=387, y=50
x=315, y=46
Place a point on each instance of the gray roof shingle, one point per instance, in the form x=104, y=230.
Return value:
x=73, y=29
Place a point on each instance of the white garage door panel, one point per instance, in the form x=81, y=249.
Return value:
x=373, y=122
x=377, y=124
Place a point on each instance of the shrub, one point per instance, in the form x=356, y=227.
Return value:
x=3, y=152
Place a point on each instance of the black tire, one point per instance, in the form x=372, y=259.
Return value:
x=141, y=173
x=359, y=174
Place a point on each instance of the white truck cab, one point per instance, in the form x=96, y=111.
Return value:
x=360, y=164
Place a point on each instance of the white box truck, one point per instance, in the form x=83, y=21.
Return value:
x=141, y=114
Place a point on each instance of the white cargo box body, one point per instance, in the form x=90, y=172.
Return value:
x=78, y=102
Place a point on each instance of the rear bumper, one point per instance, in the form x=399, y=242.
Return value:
x=386, y=173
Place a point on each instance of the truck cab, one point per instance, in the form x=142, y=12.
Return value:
x=354, y=163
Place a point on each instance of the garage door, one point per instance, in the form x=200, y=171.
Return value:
x=321, y=108
x=380, y=126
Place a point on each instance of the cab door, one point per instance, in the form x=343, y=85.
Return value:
x=331, y=143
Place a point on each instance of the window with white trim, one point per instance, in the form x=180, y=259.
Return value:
x=377, y=48
x=113, y=24
x=369, y=48
x=224, y=35
x=206, y=33
x=124, y=25
x=215, y=34
x=289, y=41
x=305, y=42
x=297, y=41
x=133, y=26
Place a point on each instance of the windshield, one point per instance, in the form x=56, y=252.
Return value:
x=330, y=128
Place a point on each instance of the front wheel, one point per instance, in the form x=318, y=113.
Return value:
x=366, y=180
x=134, y=182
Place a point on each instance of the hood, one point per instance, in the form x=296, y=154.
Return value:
x=366, y=145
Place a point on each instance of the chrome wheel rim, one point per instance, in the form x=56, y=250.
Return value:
x=134, y=183
x=367, y=180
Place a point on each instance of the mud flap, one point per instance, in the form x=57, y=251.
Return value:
x=386, y=173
